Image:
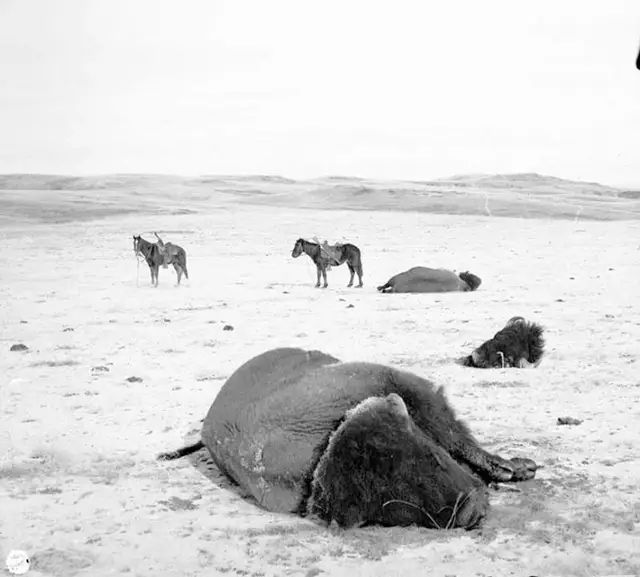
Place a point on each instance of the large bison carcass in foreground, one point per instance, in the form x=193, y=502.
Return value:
x=359, y=443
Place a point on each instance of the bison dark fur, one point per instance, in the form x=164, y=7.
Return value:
x=357, y=443
x=471, y=279
x=519, y=344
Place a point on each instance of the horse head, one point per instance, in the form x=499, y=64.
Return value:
x=298, y=248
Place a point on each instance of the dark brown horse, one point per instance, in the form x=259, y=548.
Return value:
x=157, y=254
x=324, y=256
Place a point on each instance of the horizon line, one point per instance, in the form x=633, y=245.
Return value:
x=325, y=176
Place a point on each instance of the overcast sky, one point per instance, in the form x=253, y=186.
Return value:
x=393, y=89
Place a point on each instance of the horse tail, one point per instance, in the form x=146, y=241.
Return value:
x=182, y=261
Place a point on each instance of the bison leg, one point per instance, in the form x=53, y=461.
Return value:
x=492, y=467
x=183, y=452
x=432, y=413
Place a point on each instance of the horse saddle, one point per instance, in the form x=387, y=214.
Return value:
x=168, y=252
x=332, y=252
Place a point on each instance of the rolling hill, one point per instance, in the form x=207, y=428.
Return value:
x=60, y=198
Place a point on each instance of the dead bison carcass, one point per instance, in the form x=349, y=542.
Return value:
x=421, y=279
x=519, y=344
x=355, y=442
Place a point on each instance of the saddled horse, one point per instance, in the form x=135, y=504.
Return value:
x=324, y=256
x=157, y=254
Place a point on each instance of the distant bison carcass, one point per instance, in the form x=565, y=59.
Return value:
x=519, y=344
x=359, y=443
x=421, y=279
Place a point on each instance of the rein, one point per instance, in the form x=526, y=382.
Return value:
x=138, y=259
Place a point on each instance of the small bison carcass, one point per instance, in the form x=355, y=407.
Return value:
x=519, y=344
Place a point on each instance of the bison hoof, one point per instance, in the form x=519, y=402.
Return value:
x=525, y=469
x=166, y=456
x=501, y=469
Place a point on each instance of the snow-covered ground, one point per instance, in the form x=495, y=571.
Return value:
x=82, y=493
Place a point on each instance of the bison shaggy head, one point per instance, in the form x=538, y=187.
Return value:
x=380, y=467
x=519, y=344
x=472, y=280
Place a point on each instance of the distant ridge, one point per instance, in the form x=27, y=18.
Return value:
x=523, y=179
x=22, y=181
x=64, y=198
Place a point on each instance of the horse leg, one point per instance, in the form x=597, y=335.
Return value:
x=352, y=272
x=318, y=274
x=324, y=275
x=359, y=271
x=178, y=270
